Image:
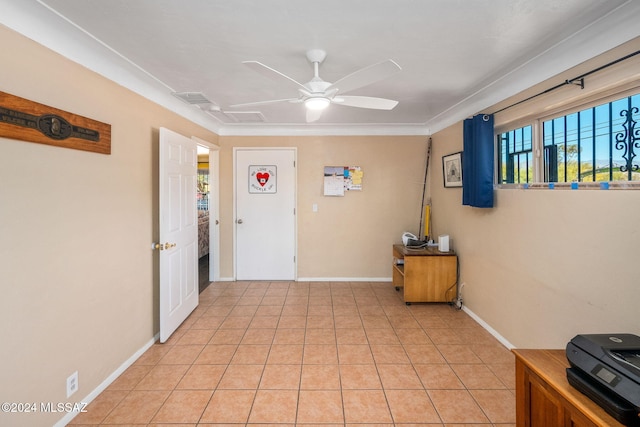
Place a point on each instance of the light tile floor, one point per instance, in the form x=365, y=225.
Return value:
x=295, y=353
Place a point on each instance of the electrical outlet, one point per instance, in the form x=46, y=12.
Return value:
x=72, y=384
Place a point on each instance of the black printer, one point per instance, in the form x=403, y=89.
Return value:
x=606, y=368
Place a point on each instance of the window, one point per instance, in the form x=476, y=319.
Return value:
x=597, y=144
x=203, y=187
x=515, y=163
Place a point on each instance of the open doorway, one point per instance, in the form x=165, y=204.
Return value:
x=207, y=206
x=203, y=202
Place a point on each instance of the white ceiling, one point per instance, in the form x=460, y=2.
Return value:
x=458, y=57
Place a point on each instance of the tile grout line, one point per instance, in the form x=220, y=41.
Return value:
x=382, y=302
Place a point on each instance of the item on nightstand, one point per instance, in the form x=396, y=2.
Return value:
x=443, y=243
x=411, y=240
x=606, y=368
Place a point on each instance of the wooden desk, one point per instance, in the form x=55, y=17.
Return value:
x=426, y=275
x=544, y=397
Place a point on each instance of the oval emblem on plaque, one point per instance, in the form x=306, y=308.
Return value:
x=55, y=127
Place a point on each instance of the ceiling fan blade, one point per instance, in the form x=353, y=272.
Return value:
x=313, y=115
x=272, y=101
x=271, y=73
x=366, y=76
x=365, y=102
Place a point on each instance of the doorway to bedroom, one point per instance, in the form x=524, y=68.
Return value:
x=207, y=206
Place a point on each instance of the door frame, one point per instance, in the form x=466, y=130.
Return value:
x=214, y=207
x=235, y=201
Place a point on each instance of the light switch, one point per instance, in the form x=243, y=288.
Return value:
x=315, y=207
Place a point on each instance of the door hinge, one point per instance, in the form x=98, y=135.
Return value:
x=294, y=259
x=294, y=211
x=294, y=163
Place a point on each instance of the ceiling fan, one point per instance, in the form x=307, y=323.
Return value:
x=317, y=94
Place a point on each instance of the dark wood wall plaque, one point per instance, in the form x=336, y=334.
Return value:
x=29, y=121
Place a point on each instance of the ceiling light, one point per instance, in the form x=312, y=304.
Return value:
x=317, y=103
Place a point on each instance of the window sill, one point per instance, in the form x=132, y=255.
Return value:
x=610, y=185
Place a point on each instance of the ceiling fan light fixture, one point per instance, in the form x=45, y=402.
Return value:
x=317, y=103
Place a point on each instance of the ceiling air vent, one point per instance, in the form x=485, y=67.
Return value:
x=246, y=116
x=235, y=116
x=193, y=98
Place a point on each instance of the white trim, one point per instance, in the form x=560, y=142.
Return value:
x=344, y=279
x=382, y=129
x=214, y=242
x=39, y=22
x=613, y=29
x=488, y=328
x=42, y=24
x=107, y=382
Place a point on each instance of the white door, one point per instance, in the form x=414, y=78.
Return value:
x=178, y=230
x=265, y=214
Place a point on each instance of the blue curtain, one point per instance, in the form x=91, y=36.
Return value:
x=477, y=162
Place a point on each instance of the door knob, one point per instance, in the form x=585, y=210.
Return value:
x=162, y=247
x=217, y=222
x=239, y=221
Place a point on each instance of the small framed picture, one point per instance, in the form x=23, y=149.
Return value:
x=263, y=179
x=452, y=170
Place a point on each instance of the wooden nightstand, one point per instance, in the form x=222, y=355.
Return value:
x=425, y=275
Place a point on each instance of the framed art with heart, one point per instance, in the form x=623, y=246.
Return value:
x=263, y=179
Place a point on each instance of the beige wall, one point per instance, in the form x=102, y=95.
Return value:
x=350, y=236
x=77, y=276
x=545, y=265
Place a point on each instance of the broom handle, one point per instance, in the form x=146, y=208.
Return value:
x=424, y=186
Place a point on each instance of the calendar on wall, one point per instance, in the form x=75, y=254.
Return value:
x=338, y=179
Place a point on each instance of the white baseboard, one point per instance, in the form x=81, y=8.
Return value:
x=111, y=378
x=344, y=279
x=327, y=279
x=488, y=328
